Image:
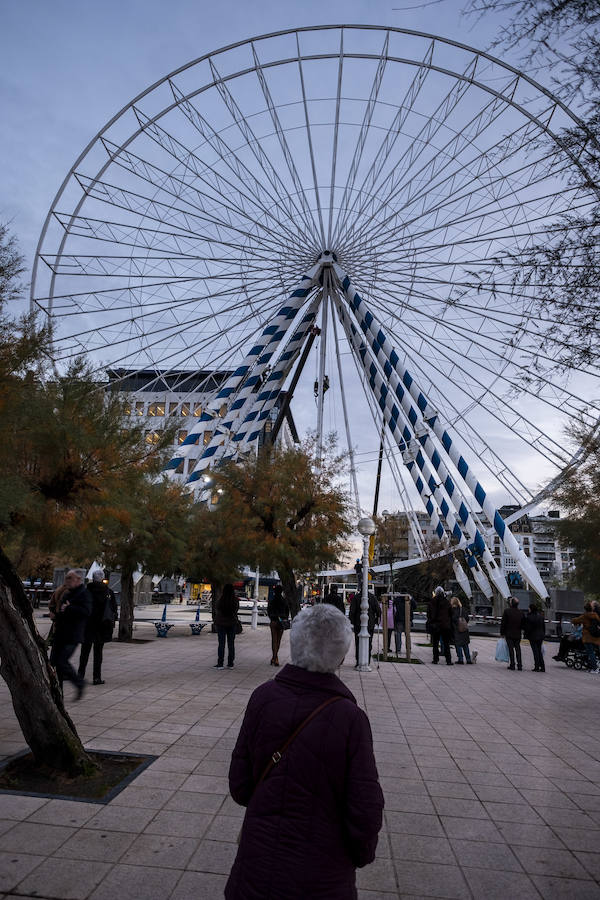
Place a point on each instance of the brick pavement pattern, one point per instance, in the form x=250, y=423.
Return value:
x=491, y=779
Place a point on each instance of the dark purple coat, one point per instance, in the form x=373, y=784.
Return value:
x=317, y=814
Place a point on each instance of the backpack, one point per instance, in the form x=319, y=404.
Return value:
x=594, y=629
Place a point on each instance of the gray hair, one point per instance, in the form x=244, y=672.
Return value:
x=320, y=638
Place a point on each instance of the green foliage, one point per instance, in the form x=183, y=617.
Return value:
x=218, y=545
x=579, y=495
x=290, y=506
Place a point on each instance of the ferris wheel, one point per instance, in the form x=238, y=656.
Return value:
x=376, y=187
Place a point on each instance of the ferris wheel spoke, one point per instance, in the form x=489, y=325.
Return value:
x=187, y=191
x=267, y=305
x=483, y=394
x=253, y=144
x=336, y=129
x=221, y=192
x=148, y=208
x=405, y=108
x=365, y=126
x=537, y=173
x=568, y=400
x=486, y=317
x=423, y=139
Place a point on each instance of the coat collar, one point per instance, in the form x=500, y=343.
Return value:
x=294, y=676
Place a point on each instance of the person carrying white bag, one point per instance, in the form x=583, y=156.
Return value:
x=511, y=627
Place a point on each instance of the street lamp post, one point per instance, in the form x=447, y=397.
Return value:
x=366, y=528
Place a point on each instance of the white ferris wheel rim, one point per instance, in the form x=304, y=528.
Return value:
x=307, y=210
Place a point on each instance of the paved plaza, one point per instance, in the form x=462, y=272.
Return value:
x=491, y=778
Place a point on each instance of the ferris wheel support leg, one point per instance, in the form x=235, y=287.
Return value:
x=429, y=415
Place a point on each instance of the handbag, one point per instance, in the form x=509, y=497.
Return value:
x=238, y=627
x=462, y=625
x=285, y=623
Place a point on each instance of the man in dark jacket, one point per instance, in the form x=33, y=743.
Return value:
x=69, y=629
x=439, y=621
x=315, y=816
x=354, y=616
x=99, y=626
x=511, y=627
x=334, y=598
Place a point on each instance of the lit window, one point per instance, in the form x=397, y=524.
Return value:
x=173, y=407
x=223, y=409
x=181, y=436
x=156, y=409
x=152, y=437
x=207, y=437
x=127, y=408
x=185, y=409
x=197, y=409
x=179, y=469
x=139, y=408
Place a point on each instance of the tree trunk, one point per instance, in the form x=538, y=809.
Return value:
x=36, y=697
x=126, y=611
x=288, y=582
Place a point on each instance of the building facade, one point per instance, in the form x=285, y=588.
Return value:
x=156, y=398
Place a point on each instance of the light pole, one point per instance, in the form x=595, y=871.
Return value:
x=366, y=528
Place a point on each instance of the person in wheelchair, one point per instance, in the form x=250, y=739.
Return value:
x=570, y=642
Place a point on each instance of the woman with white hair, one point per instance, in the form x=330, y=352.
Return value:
x=303, y=765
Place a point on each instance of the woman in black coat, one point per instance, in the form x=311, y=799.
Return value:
x=315, y=817
x=277, y=611
x=226, y=620
x=535, y=631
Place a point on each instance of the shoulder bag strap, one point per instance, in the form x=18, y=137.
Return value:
x=275, y=758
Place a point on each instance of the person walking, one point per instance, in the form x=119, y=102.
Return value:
x=313, y=818
x=439, y=618
x=460, y=630
x=226, y=620
x=372, y=619
x=278, y=611
x=99, y=626
x=511, y=626
x=590, y=621
x=72, y=611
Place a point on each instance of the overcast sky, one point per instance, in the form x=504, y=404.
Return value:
x=69, y=65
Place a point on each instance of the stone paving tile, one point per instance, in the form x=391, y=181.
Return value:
x=432, y=880
x=137, y=882
x=379, y=876
x=452, y=806
x=88, y=843
x=559, y=888
x=422, y=848
x=550, y=861
x=72, y=880
x=199, y=886
x=579, y=838
x=530, y=835
x=40, y=837
x=130, y=819
x=177, y=823
x=458, y=790
x=471, y=829
x=213, y=856
x=147, y=797
x=480, y=854
x=413, y=823
x=520, y=813
x=496, y=885
x=13, y=806
x=15, y=866
x=160, y=850
x=190, y=801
